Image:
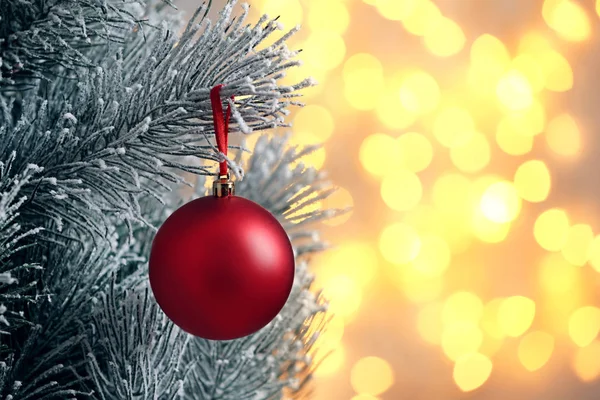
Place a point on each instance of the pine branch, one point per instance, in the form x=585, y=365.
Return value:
x=125, y=130
x=39, y=38
x=134, y=351
x=46, y=360
x=17, y=280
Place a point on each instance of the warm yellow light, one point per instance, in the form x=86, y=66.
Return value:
x=586, y=362
x=557, y=71
x=486, y=230
x=473, y=155
x=511, y=140
x=490, y=346
x=489, y=60
x=594, y=253
x=576, y=249
x=323, y=50
x=399, y=243
x=364, y=396
x=532, y=181
x=489, y=319
x=396, y=10
x=371, y=375
x=450, y=224
x=563, y=136
x=314, y=119
x=424, y=16
x=444, y=38
x=500, y=203
x=568, y=19
x=429, y=323
x=453, y=126
x=557, y=276
x=450, y=193
x=401, y=190
x=535, y=350
x=514, y=91
x=551, y=229
x=515, y=315
x=391, y=112
x=344, y=295
x=330, y=362
x=419, y=287
x=315, y=159
x=471, y=371
x=331, y=337
x=584, y=325
x=528, y=122
x=461, y=338
x=419, y=92
x=358, y=260
x=290, y=12
x=434, y=256
x=379, y=154
x=416, y=151
x=332, y=16
x=462, y=307
x=531, y=69
x=534, y=43
x=340, y=199
x=363, y=81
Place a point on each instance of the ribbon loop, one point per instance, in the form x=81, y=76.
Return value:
x=221, y=124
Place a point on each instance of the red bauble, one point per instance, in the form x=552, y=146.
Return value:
x=221, y=267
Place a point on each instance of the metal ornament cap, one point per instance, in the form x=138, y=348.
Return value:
x=223, y=186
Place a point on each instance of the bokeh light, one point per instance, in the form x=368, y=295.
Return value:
x=462, y=132
x=535, y=350
x=419, y=93
x=568, y=19
x=460, y=338
x=371, y=375
x=344, y=294
x=514, y=91
x=399, y=243
x=586, y=362
x=379, y=154
x=316, y=120
x=515, y=315
x=453, y=126
x=551, y=229
x=563, y=136
x=577, y=244
x=363, y=81
x=416, y=151
x=330, y=16
x=434, y=256
x=473, y=155
x=532, y=181
x=444, y=38
x=401, y=190
x=471, y=371
x=584, y=325
x=500, y=202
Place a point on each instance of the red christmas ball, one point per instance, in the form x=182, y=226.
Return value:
x=221, y=267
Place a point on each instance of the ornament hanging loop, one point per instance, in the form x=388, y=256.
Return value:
x=223, y=186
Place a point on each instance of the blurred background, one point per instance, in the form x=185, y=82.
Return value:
x=465, y=135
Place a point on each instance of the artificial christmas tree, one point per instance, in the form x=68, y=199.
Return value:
x=104, y=112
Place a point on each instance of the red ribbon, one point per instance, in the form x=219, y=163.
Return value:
x=221, y=123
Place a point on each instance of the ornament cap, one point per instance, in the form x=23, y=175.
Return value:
x=223, y=186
